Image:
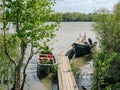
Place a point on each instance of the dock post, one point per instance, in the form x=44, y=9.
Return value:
x=85, y=36
x=72, y=58
x=79, y=35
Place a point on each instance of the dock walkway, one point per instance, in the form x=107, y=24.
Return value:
x=66, y=78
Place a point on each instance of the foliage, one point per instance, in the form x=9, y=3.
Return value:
x=2, y=87
x=47, y=61
x=103, y=67
x=55, y=70
x=75, y=69
x=6, y=67
x=29, y=18
x=107, y=27
x=107, y=62
x=75, y=16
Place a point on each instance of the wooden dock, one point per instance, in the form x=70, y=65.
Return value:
x=66, y=78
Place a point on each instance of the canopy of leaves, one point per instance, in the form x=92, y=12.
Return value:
x=107, y=26
x=32, y=16
x=30, y=20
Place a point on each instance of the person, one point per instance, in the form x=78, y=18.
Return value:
x=83, y=88
x=90, y=41
x=47, y=48
x=46, y=51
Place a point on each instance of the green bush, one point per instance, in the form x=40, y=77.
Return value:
x=74, y=69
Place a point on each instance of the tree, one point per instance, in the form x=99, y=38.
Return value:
x=29, y=18
x=6, y=67
x=107, y=61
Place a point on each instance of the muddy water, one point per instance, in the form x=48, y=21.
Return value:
x=85, y=63
x=67, y=34
x=82, y=61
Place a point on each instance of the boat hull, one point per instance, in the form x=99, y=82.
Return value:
x=45, y=64
x=44, y=69
x=81, y=50
x=78, y=50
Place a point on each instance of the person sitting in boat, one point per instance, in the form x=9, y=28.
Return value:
x=46, y=51
x=83, y=88
x=90, y=41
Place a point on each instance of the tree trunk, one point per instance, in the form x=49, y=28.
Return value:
x=16, y=85
x=24, y=70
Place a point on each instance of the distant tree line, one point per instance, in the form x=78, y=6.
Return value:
x=76, y=16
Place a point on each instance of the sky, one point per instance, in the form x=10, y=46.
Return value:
x=83, y=6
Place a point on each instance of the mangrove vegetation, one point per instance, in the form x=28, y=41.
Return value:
x=107, y=61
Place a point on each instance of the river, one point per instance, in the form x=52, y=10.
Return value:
x=67, y=34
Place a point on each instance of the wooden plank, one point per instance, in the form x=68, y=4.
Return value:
x=59, y=73
x=72, y=78
x=65, y=76
x=69, y=75
x=65, y=73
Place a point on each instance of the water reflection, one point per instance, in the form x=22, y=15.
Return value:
x=46, y=80
x=81, y=61
x=85, y=78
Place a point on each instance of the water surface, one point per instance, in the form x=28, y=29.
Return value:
x=67, y=34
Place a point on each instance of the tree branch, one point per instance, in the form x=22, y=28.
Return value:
x=5, y=45
x=24, y=70
x=8, y=55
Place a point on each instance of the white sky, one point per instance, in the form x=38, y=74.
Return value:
x=83, y=6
